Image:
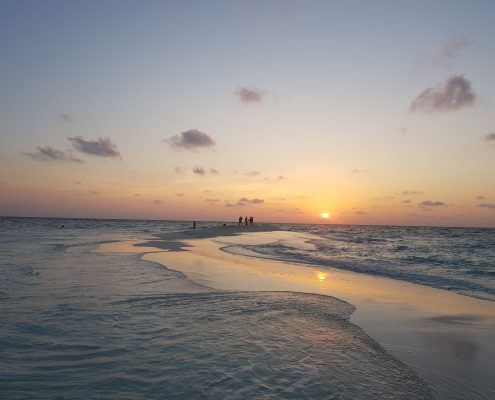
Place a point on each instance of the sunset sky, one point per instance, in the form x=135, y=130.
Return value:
x=376, y=112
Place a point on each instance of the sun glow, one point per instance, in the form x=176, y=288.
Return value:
x=325, y=215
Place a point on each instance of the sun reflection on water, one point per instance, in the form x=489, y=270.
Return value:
x=321, y=276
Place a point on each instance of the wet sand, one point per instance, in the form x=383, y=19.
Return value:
x=447, y=338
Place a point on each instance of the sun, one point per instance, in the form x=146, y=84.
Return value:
x=325, y=215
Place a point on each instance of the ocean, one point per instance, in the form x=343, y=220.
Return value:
x=75, y=323
x=457, y=259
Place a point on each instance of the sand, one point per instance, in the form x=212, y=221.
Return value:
x=447, y=338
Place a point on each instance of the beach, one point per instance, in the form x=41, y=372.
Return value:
x=447, y=338
x=204, y=200
x=155, y=309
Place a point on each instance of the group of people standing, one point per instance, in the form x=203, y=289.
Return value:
x=247, y=221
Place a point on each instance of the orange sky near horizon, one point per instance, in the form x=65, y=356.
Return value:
x=280, y=111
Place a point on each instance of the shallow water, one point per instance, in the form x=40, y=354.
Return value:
x=457, y=259
x=79, y=324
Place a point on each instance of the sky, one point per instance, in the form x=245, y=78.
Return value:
x=375, y=112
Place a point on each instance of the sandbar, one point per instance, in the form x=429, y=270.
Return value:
x=447, y=338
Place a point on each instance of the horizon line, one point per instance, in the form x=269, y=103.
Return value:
x=259, y=222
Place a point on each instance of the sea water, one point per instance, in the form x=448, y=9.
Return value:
x=456, y=259
x=77, y=324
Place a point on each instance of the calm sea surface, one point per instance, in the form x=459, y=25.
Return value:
x=79, y=324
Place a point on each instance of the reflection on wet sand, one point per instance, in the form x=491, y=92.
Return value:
x=458, y=319
x=455, y=345
x=321, y=276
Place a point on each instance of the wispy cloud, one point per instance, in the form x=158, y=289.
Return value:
x=359, y=171
x=157, y=201
x=489, y=137
x=199, y=170
x=429, y=203
x=449, y=50
x=190, y=140
x=202, y=171
x=50, y=154
x=244, y=201
x=384, y=198
x=212, y=201
x=102, y=147
x=256, y=201
x=253, y=173
x=250, y=95
x=281, y=178
x=180, y=194
x=487, y=205
x=66, y=117
x=412, y=192
x=453, y=94
x=93, y=192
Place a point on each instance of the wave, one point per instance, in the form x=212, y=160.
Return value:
x=385, y=268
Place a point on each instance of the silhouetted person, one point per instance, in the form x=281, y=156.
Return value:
x=246, y=221
x=251, y=221
x=194, y=224
x=240, y=220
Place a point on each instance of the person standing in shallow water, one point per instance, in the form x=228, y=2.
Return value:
x=251, y=221
x=246, y=221
x=240, y=220
x=194, y=224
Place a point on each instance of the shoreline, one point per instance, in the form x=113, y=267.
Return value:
x=445, y=337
